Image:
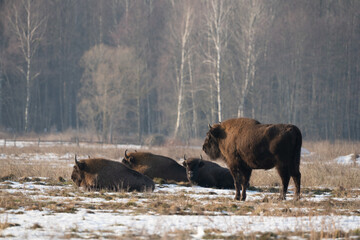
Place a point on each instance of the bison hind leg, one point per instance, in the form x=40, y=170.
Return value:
x=285, y=178
x=297, y=179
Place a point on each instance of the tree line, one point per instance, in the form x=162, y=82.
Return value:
x=137, y=68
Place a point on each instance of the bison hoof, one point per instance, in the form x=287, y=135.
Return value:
x=281, y=198
x=237, y=198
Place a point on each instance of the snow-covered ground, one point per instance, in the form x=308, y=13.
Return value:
x=44, y=208
x=87, y=225
x=88, y=221
x=350, y=159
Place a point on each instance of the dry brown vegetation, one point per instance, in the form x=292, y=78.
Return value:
x=183, y=202
x=318, y=169
x=321, y=176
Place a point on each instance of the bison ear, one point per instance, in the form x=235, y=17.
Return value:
x=201, y=163
x=184, y=163
x=131, y=159
x=217, y=131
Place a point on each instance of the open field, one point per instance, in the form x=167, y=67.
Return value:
x=39, y=201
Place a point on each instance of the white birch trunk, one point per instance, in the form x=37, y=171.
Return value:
x=184, y=38
x=27, y=103
x=249, y=68
x=216, y=21
x=194, y=120
x=28, y=33
x=218, y=82
x=180, y=93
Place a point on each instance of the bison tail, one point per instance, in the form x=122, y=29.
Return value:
x=297, y=148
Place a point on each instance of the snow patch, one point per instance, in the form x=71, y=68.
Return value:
x=350, y=159
x=305, y=152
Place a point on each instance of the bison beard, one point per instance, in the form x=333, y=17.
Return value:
x=245, y=144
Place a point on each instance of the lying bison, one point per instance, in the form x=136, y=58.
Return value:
x=155, y=166
x=98, y=173
x=207, y=174
x=245, y=144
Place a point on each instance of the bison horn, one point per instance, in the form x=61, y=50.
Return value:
x=201, y=157
x=81, y=165
x=76, y=161
x=126, y=156
x=209, y=126
x=184, y=157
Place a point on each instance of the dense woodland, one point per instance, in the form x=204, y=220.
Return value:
x=137, y=68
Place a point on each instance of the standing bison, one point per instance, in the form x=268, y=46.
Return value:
x=245, y=144
x=208, y=174
x=98, y=173
x=155, y=166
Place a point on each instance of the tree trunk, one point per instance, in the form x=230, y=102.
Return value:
x=194, y=119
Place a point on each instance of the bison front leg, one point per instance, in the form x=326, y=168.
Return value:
x=245, y=182
x=243, y=192
x=241, y=179
x=237, y=182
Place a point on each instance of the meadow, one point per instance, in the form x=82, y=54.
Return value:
x=38, y=199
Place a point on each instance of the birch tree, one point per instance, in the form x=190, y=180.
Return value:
x=251, y=19
x=28, y=25
x=216, y=21
x=180, y=34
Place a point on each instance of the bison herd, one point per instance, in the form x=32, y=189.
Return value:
x=244, y=144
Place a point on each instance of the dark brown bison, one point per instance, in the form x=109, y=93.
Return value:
x=98, y=173
x=207, y=174
x=245, y=144
x=155, y=166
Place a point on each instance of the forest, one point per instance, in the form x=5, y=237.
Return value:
x=130, y=69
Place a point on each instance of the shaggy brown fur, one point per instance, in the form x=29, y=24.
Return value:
x=98, y=173
x=245, y=144
x=208, y=174
x=155, y=166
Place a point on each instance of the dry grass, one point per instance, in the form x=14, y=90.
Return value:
x=325, y=150
x=187, y=203
x=317, y=169
x=182, y=202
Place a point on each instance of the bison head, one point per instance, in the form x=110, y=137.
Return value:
x=192, y=166
x=78, y=172
x=128, y=160
x=211, y=143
